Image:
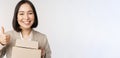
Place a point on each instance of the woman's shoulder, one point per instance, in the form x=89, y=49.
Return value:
x=11, y=32
x=39, y=36
x=38, y=33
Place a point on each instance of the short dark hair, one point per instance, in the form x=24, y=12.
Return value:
x=15, y=24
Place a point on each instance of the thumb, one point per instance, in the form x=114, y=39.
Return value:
x=2, y=30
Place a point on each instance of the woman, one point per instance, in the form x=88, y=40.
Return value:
x=24, y=20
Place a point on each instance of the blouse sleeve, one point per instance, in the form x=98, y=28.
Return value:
x=47, y=49
x=2, y=50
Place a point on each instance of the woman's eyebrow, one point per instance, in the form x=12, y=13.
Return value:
x=30, y=11
x=27, y=11
x=20, y=11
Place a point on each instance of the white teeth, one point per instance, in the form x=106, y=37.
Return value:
x=26, y=22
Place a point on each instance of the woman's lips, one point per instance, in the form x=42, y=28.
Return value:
x=27, y=22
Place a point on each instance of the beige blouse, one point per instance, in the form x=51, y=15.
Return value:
x=36, y=36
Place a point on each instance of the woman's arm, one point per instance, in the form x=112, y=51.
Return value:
x=47, y=49
x=4, y=40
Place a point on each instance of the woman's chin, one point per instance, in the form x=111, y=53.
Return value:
x=26, y=27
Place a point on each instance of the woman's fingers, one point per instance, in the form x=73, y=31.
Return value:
x=7, y=39
x=42, y=52
x=3, y=39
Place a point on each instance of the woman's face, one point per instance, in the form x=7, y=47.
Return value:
x=25, y=16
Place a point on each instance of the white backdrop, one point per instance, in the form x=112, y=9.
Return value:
x=75, y=28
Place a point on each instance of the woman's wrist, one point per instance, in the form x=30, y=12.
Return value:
x=2, y=44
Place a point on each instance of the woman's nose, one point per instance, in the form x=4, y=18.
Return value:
x=26, y=16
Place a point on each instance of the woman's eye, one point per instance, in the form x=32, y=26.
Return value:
x=30, y=13
x=21, y=14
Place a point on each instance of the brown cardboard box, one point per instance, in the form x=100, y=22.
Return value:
x=26, y=43
x=26, y=49
x=18, y=52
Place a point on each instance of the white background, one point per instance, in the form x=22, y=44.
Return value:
x=75, y=28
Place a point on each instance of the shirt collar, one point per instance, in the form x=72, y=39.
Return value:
x=29, y=38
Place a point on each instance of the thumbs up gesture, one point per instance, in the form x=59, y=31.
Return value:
x=4, y=38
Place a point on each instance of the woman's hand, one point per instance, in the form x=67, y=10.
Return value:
x=4, y=38
x=42, y=53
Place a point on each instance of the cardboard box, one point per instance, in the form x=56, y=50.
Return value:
x=26, y=43
x=18, y=52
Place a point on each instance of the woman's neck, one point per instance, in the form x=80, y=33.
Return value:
x=26, y=33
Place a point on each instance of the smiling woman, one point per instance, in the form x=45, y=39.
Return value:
x=24, y=20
